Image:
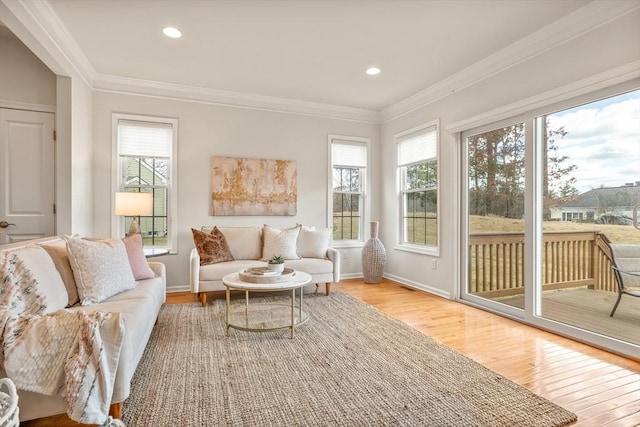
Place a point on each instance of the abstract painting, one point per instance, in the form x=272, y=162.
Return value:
x=245, y=186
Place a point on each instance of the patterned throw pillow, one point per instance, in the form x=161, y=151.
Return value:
x=212, y=248
x=101, y=268
x=37, y=273
x=280, y=242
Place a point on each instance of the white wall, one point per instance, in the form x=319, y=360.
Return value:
x=25, y=82
x=206, y=130
x=613, y=45
x=82, y=146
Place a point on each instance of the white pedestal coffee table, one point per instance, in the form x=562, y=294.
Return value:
x=264, y=317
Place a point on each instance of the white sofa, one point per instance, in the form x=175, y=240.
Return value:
x=138, y=308
x=246, y=246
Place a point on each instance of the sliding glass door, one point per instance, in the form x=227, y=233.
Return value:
x=495, y=219
x=543, y=197
x=590, y=187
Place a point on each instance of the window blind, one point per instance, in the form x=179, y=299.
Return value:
x=144, y=139
x=418, y=147
x=348, y=154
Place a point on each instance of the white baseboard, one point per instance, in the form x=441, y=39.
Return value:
x=419, y=286
x=403, y=281
x=183, y=288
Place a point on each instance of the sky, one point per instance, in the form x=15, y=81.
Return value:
x=603, y=141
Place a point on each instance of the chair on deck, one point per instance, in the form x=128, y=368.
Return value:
x=626, y=268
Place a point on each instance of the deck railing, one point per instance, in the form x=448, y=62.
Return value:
x=570, y=259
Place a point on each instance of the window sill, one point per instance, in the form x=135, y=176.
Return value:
x=422, y=250
x=346, y=245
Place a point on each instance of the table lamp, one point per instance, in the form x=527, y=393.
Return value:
x=134, y=204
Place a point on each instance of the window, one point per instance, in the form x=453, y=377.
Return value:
x=534, y=184
x=418, y=175
x=572, y=216
x=146, y=162
x=348, y=184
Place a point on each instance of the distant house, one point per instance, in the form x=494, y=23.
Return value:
x=603, y=205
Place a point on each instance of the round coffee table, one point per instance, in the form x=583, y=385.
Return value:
x=268, y=317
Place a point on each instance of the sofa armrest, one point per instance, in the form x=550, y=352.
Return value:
x=334, y=256
x=194, y=271
x=158, y=268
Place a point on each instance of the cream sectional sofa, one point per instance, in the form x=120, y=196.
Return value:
x=247, y=245
x=48, y=260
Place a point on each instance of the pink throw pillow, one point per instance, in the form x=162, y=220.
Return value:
x=139, y=265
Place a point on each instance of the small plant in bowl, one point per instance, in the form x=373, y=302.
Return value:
x=276, y=263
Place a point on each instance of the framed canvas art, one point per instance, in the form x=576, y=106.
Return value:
x=245, y=186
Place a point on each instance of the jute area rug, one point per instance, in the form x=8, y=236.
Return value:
x=349, y=365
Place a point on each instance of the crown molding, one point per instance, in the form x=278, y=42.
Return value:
x=558, y=32
x=43, y=24
x=618, y=75
x=111, y=83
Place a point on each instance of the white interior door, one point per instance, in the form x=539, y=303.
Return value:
x=27, y=184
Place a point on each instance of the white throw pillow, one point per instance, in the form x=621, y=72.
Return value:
x=48, y=284
x=313, y=243
x=101, y=268
x=280, y=242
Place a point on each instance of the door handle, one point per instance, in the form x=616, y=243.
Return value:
x=5, y=224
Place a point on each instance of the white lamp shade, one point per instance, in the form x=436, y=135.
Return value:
x=134, y=204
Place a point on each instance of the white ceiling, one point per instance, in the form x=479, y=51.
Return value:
x=311, y=51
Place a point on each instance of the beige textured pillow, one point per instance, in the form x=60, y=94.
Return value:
x=280, y=242
x=48, y=282
x=313, y=243
x=212, y=247
x=244, y=242
x=58, y=252
x=101, y=268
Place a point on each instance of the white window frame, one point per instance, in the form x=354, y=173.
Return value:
x=364, y=202
x=399, y=138
x=117, y=223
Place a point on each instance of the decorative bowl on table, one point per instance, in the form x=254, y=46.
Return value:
x=265, y=275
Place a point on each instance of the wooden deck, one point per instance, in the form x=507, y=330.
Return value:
x=589, y=309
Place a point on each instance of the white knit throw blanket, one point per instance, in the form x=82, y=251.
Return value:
x=73, y=354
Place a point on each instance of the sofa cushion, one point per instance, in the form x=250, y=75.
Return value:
x=313, y=266
x=215, y=272
x=58, y=252
x=135, y=252
x=101, y=268
x=313, y=243
x=48, y=284
x=212, y=247
x=244, y=242
x=280, y=242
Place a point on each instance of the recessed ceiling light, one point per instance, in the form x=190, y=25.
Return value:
x=372, y=71
x=174, y=33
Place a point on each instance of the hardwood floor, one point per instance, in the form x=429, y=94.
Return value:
x=602, y=388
